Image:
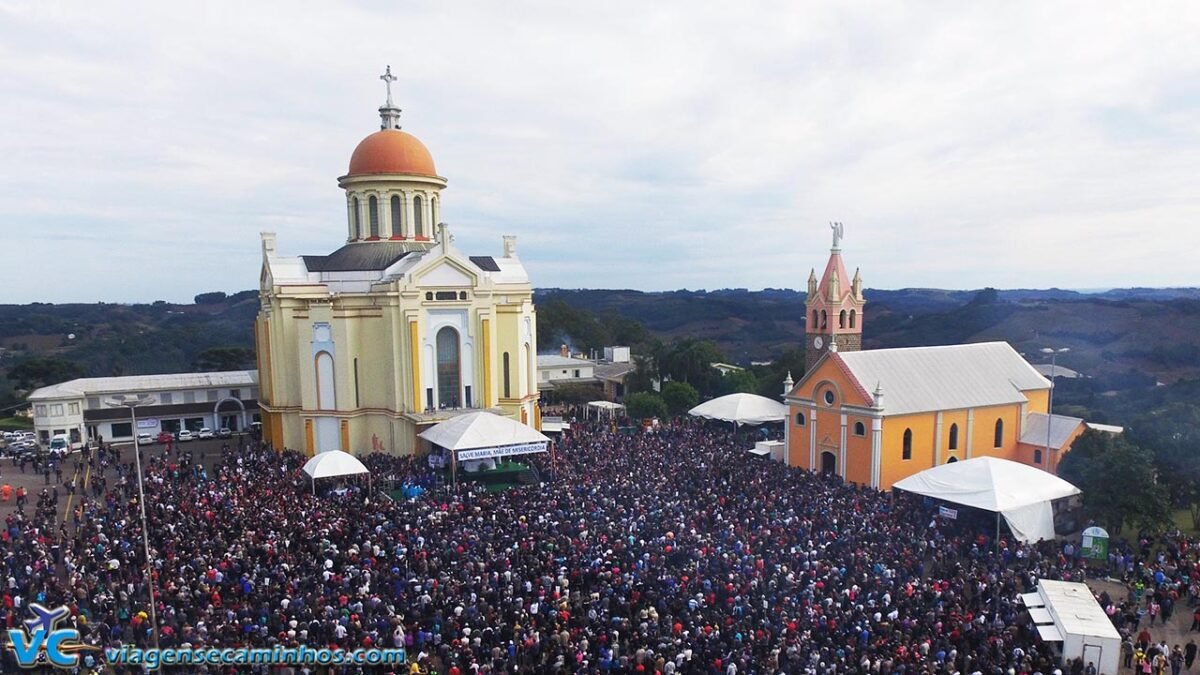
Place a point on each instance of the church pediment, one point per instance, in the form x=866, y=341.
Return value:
x=446, y=273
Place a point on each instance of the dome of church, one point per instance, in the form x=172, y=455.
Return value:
x=391, y=151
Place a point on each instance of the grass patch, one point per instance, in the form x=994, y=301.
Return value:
x=1183, y=520
x=15, y=424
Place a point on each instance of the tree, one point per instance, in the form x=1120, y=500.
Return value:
x=1118, y=481
x=40, y=372
x=217, y=359
x=645, y=404
x=213, y=298
x=680, y=397
x=740, y=382
x=575, y=392
x=691, y=361
x=644, y=374
x=1172, y=434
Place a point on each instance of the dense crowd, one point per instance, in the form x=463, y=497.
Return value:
x=665, y=552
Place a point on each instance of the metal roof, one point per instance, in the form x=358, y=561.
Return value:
x=1033, y=432
x=1075, y=609
x=485, y=262
x=99, y=386
x=558, y=361
x=952, y=377
x=359, y=257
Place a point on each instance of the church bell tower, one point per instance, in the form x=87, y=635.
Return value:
x=834, y=307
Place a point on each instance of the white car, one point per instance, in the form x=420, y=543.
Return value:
x=145, y=439
x=185, y=435
x=205, y=433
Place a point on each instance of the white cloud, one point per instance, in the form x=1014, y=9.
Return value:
x=628, y=145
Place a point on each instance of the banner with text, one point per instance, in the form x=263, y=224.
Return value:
x=502, y=451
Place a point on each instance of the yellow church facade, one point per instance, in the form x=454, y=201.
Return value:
x=396, y=330
x=875, y=417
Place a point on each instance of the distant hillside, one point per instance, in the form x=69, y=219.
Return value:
x=1125, y=340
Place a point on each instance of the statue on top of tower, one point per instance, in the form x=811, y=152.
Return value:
x=839, y=232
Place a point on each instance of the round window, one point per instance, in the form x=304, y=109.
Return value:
x=828, y=397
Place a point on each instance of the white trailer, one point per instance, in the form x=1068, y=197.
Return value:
x=1068, y=613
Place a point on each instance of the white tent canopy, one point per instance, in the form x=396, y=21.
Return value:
x=1020, y=493
x=604, y=408
x=741, y=409
x=481, y=430
x=333, y=463
x=484, y=436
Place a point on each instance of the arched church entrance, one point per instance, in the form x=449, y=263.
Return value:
x=828, y=462
x=952, y=460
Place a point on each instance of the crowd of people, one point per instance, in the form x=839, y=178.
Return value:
x=664, y=552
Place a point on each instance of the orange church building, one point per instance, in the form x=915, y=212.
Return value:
x=875, y=417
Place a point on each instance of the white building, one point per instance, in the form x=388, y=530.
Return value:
x=557, y=369
x=85, y=408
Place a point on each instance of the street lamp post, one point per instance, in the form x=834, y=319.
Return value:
x=132, y=404
x=1050, y=403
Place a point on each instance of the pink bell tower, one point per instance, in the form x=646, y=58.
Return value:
x=834, y=307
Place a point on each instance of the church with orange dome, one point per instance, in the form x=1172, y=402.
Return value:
x=362, y=348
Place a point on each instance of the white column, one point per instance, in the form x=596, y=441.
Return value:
x=812, y=437
x=787, y=436
x=842, y=449
x=876, y=449
x=937, y=441
x=970, y=430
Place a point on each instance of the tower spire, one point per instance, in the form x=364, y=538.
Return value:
x=389, y=114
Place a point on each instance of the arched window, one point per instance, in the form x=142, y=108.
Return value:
x=1037, y=456
x=860, y=429
x=326, y=393
x=418, y=218
x=954, y=436
x=842, y=319
x=449, y=379
x=814, y=319
x=507, y=389
x=373, y=215
x=433, y=210
x=799, y=419
x=824, y=319
x=356, y=231
x=907, y=444
x=396, y=210
x=999, y=440
x=853, y=317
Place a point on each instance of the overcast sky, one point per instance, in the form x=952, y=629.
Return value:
x=143, y=146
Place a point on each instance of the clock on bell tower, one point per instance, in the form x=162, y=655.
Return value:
x=834, y=307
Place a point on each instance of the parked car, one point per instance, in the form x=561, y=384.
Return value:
x=185, y=435
x=165, y=437
x=205, y=433
x=224, y=432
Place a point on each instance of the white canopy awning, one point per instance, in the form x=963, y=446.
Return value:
x=333, y=463
x=482, y=430
x=741, y=409
x=1050, y=633
x=1022, y=494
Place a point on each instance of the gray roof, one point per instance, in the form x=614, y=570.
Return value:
x=1056, y=371
x=1033, y=432
x=358, y=257
x=952, y=377
x=128, y=384
x=485, y=262
x=559, y=361
x=614, y=371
